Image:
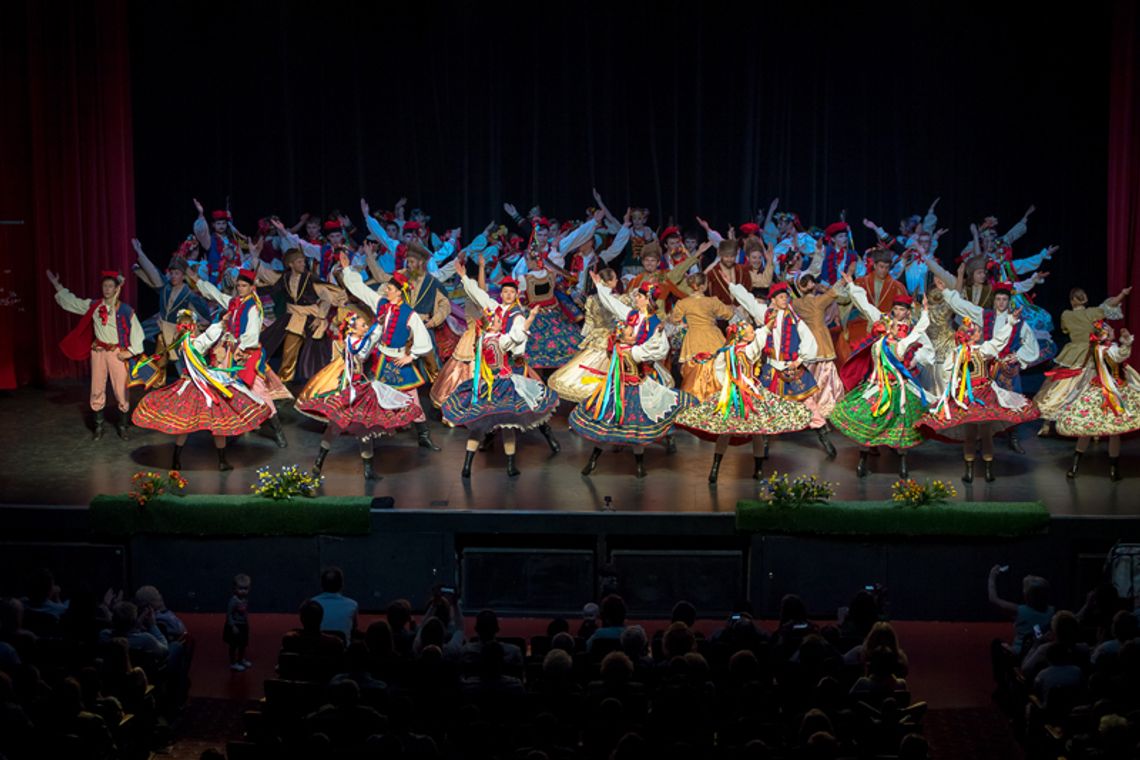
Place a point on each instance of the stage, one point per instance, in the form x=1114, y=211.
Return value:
x=49, y=458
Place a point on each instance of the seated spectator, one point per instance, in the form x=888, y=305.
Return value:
x=617, y=682
x=794, y=626
x=491, y=687
x=1061, y=673
x=486, y=629
x=170, y=624
x=613, y=621
x=881, y=635
x=741, y=632
x=855, y=620
x=677, y=641
x=821, y=746
x=340, y=611
x=1064, y=633
x=914, y=747
x=1034, y=613
x=43, y=595
x=16, y=729
x=344, y=721
x=399, y=616
x=558, y=671
x=372, y=690
x=12, y=631
x=683, y=612
x=589, y=621
x=635, y=644
x=139, y=629
x=310, y=640
x=71, y=719
x=1098, y=612
x=565, y=642
x=880, y=680
x=1125, y=628
x=557, y=626
x=383, y=662
x=443, y=611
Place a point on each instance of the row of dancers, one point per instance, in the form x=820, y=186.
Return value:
x=816, y=337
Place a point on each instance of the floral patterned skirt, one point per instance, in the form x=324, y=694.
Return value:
x=984, y=409
x=356, y=411
x=180, y=408
x=634, y=428
x=1088, y=415
x=770, y=415
x=553, y=339
x=504, y=409
x=894, y=426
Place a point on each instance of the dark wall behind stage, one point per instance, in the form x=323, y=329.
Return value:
x=685, y=109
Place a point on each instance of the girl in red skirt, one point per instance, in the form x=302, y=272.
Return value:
x=203, y=399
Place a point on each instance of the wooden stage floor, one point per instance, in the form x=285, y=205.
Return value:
x=47, y=457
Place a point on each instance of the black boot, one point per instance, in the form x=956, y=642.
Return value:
x=861, y=468
x=223, y=465
x=369, y=473
x=122, y=425
x=640, y=459
x=1015, y=442
x=317, y=465
x=593, y=463
x=424, y=436
x=715, y=468
x=825, y=442
x=1072, y=473
x=989, y=468
x=548, y=434
x=278, y=431
x=1114, y=468
x=470, y=456
x=670, y=445
x=176, y=460
x=757, y=468
x=512, y=471
x=904, y=473
x=99, y=423
x=488, y=440
x=968, y=475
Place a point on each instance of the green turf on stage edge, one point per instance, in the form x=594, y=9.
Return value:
x=886, y=518
x=227, y=515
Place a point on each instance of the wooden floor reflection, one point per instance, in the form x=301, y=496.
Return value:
x=47, y=457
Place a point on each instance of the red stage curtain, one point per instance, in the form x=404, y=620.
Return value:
x=68, y=126
x=1124, y=159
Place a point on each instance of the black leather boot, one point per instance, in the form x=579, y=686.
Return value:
x=1114, y=469
x=369, y=473
x=176, y=460
x=512, y=471
x=715, y=467
x=1072, y=473
x=861, y=468
x=825, y=442
x=223, y=465
x=757, y=468
x=424, y=436
x=122, y=425
x=989, y=468
x=904, y=473
x=640, y=459
x=670, y=445
x=968, y=475
x=317, y=465
x=548, y=434
x=278, y=431
x=1015, y=442
x=593, y=463
x=467, y=459
x=99, y=424
x=487, y=442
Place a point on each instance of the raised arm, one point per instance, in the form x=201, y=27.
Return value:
x=293, y=241
x=209, y=290
x=607, y=298
x=145, y=269
x=475, y=292
x=1033, y=263
x=961, y=306
x=744, y=297
x=201, y=228
x=936, y=269
x=617, y=245
x=917, y=333
x=991, y=588
x=577, y=237
x=354, y=283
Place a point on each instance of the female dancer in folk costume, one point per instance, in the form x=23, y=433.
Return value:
x=1076, y=322
x=362, y=407
x=109, y=334
x=629, y=407
x=885, y=400
x=239, y=348
x=742, y=409
x=402, y=339
x=974, y=402
x=699, y=314
x=174, y=295
x=458, y=368
x=789, y=346
x=204, y=398
x=1019, y=352
x=1106, y=400
x=503, y=392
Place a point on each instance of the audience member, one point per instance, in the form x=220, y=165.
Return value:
x=340, y=611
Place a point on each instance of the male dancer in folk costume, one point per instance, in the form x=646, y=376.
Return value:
x=789, y=347
x=1076, y=322
x=240, y=345
x=174, y=295
x=219, y=244
x=109, y=334
x=629, y=407
x=1019, y=352
x=403, y=338
x=882, y=292
x=301, y=331
x=1105, y=400
x=503, y=394
x=884, y=400
x=204, y=398
x=974, y=402
x=814, y=304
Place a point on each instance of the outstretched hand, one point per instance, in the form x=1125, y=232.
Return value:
x=364, y=207
x=870, y=225
x=511, y=210
x=198, y=206
x=704, y=224
x=704, y=246
x=847, y=277
x=137, y=246
x=54, y=279
x=1051, y=250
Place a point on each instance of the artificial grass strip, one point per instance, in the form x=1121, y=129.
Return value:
x=886, y=518
x=226, y=515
